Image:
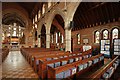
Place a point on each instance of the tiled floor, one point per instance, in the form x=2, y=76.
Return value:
x=15, y=66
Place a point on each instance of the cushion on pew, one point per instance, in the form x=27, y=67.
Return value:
x=80, y=58
x=65, y=56
x=87, y=56
x=55, y=58
x=71, y=60
x=70, y=55
x=37, y=62
x=94, y=61
x=90, y=55
x=97, y=59
x=57, y=64
x=51, y=65
x=64, y=62
x=110, y=71
x=61, y=57
x=115, y=65
x=60, y=75
x=85, y=65
x=105, y=75
x=101, y=58
x=76, y=59
x=89, y=63
x=66, y=73
x=84, y=57
x=48, y=59
x=73, y=70
x=74, y=54
x=80, y=67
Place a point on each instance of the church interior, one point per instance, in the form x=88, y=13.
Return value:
x=60, y=40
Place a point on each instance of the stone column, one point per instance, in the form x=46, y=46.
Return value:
x=67, y=39
x=39, y=39
x=47, y=40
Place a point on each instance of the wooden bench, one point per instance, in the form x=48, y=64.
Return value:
x=48, y=57
x=5, y=52
x=27, y=51
x=43, y=64
x=71, y=71
x=105, y=70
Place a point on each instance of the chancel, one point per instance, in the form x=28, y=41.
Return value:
x=60, y=40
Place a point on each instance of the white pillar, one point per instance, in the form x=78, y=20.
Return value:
x=39, y=40
x=67, y=40
x=47, y=40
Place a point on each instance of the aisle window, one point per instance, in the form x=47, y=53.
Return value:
x=56, y=37
x=52, y=38
x=33, y=21
x=115, y=33
x=78, y=38
x=62, y=41
x=35, y=18
x=39, y=14
x=49, y=4
x=43, y=9
x=97, y=37
x=105, y=34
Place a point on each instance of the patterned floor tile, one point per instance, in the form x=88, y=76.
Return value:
x=15, y=66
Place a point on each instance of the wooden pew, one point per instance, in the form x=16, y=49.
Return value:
x=27, y=51
x=43, y=64
x=57, y=72
x=99, y=73
x=48, y=56
x=5, y=52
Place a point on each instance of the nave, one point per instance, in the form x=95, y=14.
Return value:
x=15, y=66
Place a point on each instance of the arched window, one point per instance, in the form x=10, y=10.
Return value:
x=36, y=26
x=36, y=18
x=49, y=4
x=97, y=37
x=56, y=37
x=105, y=34
x=3, y=36
x=39, y=14
x=62, y=41
x=78, y=38
x=52, y=37
x=33, y=21
x=43, y=9
x=115, y=33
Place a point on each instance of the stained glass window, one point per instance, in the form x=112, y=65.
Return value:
x=115, y=33
x=78, y=38
x=39, y=14
x=43, y=9
x=97, y=37
x=105, y=34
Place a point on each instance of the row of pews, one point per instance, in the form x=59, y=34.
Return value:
x=5, y=52
x=54, y=64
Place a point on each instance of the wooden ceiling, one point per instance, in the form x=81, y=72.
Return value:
x=28, y=6
x=90, y=14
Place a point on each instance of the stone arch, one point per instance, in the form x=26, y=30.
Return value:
x=52, y=16
x=72, y=7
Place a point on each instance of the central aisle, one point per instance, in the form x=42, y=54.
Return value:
x=15, y=66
